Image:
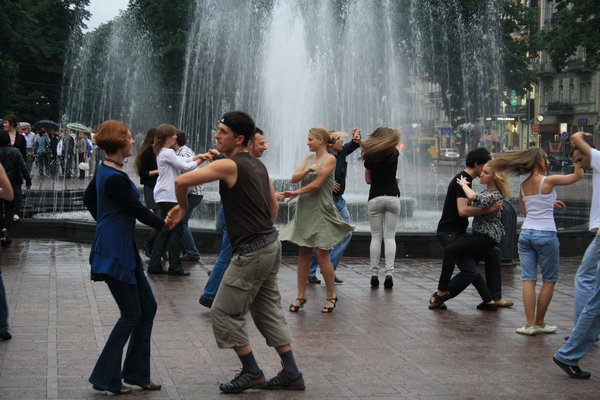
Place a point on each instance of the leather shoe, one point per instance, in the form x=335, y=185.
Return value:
x=504, y=303
x=189, y=258
x=313, y=279
x=145, y=386
x=156, y=271
x=283, y=382
x=487, y=306
x=242, y=381
x=179, y=272
x=5, y=335
x=573, y=370
x=337, y=280
x=374, y=281
x=389, y=282
x=124, y=390
x=205, y=301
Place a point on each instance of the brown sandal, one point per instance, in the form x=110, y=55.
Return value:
x=296, y=308
x=326, y=309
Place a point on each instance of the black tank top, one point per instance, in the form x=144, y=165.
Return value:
x=247, y=204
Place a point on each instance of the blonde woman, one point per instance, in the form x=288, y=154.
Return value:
x=537, y=241
x=380, y=155
x=317, y=223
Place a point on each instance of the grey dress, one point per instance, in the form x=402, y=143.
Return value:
x=317, y=222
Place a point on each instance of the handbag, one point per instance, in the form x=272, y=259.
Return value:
x=84, y=166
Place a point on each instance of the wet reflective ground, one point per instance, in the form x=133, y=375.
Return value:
x=378, y=343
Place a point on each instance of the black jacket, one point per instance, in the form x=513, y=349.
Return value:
x=15, y=167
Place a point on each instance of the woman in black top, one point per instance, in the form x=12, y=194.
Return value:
x=145, y=164
x=380, y=157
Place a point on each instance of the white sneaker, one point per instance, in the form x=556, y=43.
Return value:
x=527, y=330
x=546, y=328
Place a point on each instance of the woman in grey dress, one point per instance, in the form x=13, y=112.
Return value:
x=317, y=223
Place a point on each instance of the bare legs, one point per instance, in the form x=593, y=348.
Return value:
x=304, y=255
x=543, y=301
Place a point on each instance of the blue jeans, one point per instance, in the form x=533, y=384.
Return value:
x=585, y=279
x=188, y=245
x=338, y=250
x=3, y=306
x=223, y=261
x=138, y=307
x=539, y=246
x=587, y=328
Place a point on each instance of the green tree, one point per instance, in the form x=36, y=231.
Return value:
x=574, y=24
x=35, y=35
x=168, y=24
x=476, y=51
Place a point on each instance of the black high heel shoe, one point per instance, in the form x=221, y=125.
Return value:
x=296, y=308
x=326, y=309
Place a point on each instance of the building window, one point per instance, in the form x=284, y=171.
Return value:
x=571, y=90
x=560, y=93
x=585, y=89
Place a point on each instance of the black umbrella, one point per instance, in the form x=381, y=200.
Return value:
x=45, y=124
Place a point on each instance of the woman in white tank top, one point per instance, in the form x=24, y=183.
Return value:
x=538, y=241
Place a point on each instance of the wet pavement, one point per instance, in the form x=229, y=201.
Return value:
x=383, y=344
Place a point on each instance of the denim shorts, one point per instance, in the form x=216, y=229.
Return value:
x=538, y=247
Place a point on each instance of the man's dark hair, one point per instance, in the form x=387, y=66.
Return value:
x=240, y=123
x=181, y=138
x=586, y=138
x=480, y=155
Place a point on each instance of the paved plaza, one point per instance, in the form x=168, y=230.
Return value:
x=378, y=343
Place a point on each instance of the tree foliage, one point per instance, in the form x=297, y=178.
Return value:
x=34, y=35
x=167, y=23
x=575, y=24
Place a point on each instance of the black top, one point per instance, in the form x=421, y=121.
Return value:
x=341, y=165
x=450, y=220
x=20, y=143
x=147, y=164
x=15, y=167
x=118, y=188
x=383, y=176
x=247, y=204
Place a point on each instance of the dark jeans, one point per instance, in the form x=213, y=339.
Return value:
x=223, y=261
x=18, y=199
x=167, y=240
x=463, y=250
x=7, y=210
x=3, y=306
x=138, y=307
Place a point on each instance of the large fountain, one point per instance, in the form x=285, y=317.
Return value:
x=294, y=65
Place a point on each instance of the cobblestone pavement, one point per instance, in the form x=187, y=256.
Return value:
x=378, y=343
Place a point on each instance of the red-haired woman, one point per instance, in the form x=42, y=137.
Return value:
x=114, y=202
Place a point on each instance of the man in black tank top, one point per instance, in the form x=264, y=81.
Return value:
x=250, y=281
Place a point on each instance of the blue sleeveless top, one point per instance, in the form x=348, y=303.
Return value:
x=114, y=252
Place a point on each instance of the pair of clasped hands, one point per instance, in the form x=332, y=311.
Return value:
x=176, y=214
x=314, y=167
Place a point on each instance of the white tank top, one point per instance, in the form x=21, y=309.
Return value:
x=540, y=210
